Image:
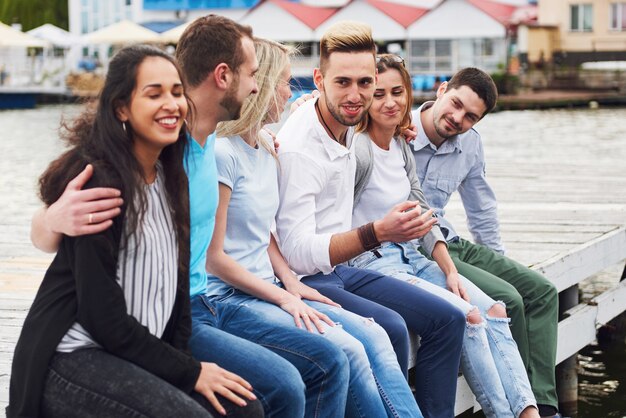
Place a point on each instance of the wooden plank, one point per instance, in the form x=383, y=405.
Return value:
x=610, y=303
x=576, y=331
x=585, y=260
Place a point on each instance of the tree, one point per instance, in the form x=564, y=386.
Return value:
x=34, y=13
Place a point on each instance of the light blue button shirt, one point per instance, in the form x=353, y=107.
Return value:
x=203, y=197
x=458, y=164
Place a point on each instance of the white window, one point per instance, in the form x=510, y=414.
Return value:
x=581, y=18
x=618, y=16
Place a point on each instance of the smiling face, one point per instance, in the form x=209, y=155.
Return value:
x=456, y=110
x=390, y=99
x=347, y=85
x=157, y=108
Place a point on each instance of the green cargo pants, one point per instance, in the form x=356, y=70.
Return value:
x=532, y=304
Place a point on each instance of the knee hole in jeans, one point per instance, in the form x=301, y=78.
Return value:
x=497, y=311
x=473, y=316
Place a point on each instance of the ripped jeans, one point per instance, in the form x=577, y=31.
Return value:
x=490, y=360
x=376, y=386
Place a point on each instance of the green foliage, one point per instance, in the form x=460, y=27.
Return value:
x=506, y=83
x=34, y=13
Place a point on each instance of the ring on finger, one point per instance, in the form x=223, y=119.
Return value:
x=90, y=218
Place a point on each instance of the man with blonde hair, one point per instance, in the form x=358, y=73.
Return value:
x=315, y=217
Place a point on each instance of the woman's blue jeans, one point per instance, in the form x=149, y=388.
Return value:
x=490, y=360
x=298, y=356
x=374, y=385
x=396, y=305
x=92, y=382
x=276, y=382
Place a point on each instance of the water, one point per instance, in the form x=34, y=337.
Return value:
x=588, y=140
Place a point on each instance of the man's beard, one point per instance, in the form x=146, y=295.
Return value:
x=442, y=132
x=341, y=119
x=230, y=103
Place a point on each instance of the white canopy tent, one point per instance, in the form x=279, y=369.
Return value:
x=120, y=33
x=55, y=35
x=10, y=37
x=56, y=60
x=173, y=35
x=17, y=67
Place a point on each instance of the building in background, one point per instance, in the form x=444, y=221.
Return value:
x=436, y=37
x=572, y=32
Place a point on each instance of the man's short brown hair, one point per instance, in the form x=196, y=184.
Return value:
x=346, y=36
x=480, y=82
x=207, y=42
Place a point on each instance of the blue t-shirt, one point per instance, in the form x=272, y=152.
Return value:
x=203, y=197
x=251, y=174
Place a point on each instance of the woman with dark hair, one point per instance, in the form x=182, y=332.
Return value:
x=107, y=333
x=385, y=176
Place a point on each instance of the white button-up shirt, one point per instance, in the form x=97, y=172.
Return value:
x=316, y=186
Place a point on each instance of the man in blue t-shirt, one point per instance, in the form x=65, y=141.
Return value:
x=218, y=62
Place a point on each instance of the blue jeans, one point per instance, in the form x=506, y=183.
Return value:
x=91, y=382
x=320, y=364
x=490, y=360
x=396, y=305
x=377, y=386
x=276, y=383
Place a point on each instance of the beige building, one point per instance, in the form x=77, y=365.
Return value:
x=576, y=31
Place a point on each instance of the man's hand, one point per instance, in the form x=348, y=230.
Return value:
x=213, y=379
x=300, y=100
x=82, y=212
x=453, y=282
x=302, y=291
x=410, y=133
x=404, y=222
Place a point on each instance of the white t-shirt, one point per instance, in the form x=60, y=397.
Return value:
x=388, y=185
x=251, y=174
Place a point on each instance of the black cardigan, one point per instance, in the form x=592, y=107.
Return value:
x=80, y=285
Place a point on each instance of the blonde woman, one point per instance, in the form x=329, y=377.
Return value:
x=260, y=296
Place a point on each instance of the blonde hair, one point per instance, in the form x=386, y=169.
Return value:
x=273, y=57
x=346, y=36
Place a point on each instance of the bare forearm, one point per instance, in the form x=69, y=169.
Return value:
x=344, y=246
x=279, y=264
x=232, y=273
x=41, y=235
x=442, y=258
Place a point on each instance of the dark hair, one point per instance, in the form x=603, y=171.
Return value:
x=98, y=138
x=207, y=42
x=385, y=62
x=480, y=82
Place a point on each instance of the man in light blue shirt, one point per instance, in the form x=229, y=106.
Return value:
x=449, y=157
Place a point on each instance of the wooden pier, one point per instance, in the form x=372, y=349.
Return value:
x=562, y=211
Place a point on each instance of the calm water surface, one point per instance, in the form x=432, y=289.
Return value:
x=29, y=141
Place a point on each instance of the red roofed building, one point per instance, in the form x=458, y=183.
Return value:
x=401, y=13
